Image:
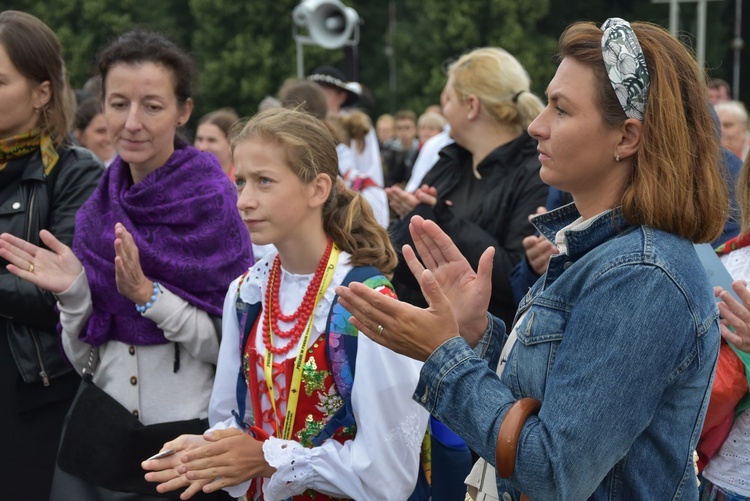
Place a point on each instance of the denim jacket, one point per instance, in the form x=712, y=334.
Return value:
x=619, y=342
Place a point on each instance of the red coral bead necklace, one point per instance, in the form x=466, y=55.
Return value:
x=300, y=317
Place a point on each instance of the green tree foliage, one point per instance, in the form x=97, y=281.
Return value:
x=245, y=50
x=431, y=33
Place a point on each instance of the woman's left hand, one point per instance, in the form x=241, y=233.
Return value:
x=230, y=458
x=131, y=282
x=401, y=327
x=426, y=195
x=735, y=314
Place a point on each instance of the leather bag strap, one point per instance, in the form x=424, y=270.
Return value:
x=510, y=432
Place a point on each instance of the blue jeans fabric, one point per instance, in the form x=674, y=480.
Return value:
x=619, y=342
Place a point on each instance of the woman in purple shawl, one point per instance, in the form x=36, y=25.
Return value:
x=155, y=247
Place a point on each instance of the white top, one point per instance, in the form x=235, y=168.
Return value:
x=428, y=155
x=368, y=161
x=730, y=467
x=382, y=461
x=375, y=195
x=142, y=378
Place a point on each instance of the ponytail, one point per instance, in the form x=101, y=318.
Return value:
x=348, y=219
x=311, y=150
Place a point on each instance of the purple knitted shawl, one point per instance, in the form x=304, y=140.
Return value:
x=190, y=238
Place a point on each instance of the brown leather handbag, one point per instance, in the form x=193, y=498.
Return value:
x=510, y=432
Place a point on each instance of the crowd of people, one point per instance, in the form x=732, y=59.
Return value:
x=496, y=298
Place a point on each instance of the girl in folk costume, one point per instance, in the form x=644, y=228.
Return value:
x=290, y=434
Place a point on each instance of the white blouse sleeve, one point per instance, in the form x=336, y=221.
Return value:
x=224, y=395
x=75, y=309
x=185, y=324
x=382, y=461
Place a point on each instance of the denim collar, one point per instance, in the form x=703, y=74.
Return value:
x=603, y=227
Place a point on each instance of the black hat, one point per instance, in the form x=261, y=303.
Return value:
x=333, y=77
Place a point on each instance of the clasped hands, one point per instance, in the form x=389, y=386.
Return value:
x=207, y=463
x=402, y=202
x=457, y=296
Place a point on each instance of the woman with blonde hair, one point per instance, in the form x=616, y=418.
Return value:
x=614, y=346
x=484, y=186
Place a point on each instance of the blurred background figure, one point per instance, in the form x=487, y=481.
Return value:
x=400, y=152
x=213, y=136
x=43, y=182
x=268, y=103
x=90, y=130
x=340, y=95
x=719, y=91
x=429, y=124
x=733, y=120
x=385, y=129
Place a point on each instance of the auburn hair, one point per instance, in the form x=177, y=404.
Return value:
x=310, y=151
x=676, y=184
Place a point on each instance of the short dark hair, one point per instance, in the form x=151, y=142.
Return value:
x=36, y=53
x=87, y=110
x=141, y=46
x=718, y=83
x=406, y=115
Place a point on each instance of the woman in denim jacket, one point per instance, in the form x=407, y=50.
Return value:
x=618, y=340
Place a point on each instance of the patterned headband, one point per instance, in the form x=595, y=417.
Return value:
x=626, y=66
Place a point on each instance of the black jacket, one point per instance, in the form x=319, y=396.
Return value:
x=27, y=313
x=499, y=219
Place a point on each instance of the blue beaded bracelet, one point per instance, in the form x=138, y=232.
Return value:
x=141, y=308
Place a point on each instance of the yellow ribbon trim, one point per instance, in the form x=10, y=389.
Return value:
x=291, y=407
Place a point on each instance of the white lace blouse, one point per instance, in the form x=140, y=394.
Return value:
x=382, y=461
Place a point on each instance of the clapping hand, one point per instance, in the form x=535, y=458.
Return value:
x=457, y=297
x=736, y=315
x=54, y=269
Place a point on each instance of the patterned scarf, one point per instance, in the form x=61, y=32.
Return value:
x=189, y=234
x=23, y=144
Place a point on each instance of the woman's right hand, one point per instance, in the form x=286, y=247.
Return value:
x=53, y=270
x=468, y=292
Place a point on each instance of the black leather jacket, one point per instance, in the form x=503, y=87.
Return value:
x=27, y=313
x=499, y=219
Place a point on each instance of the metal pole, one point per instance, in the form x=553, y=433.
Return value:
x=701, y=52
x=391, y=52
x=674, y=17
x=300, y=60
x=737, y=45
